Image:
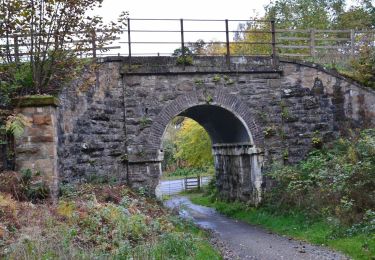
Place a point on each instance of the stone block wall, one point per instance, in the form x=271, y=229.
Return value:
x=110, y=121
x=37, y=148
x=91, y=127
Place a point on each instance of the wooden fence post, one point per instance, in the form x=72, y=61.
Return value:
x=312, y=43
x=352, y=42
x=16, y=49
x=273, y=43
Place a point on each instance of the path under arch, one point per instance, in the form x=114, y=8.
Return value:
x=244, y=241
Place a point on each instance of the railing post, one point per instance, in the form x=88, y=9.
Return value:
x=273, y=33
x=93, y=36
x=227, y=43
x=182, y=41
x=199, y=182
x=312, y=43
x=16, y=49
x=352, y=42
x=129, y=45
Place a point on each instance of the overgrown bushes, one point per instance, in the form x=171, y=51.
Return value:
x=97, y=222
x=336, y=183
x=24, y=186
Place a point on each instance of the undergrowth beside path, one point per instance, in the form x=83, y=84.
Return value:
x=97, y=222
x=326, y=199
x=295, y=225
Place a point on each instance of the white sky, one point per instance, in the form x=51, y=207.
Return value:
x=174, y=9
x=199, y=9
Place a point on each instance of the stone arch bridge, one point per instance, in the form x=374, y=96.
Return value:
x=109, y=126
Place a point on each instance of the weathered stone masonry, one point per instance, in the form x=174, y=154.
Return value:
x=254, y=113
x=37, y=149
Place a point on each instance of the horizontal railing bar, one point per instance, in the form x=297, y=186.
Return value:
x=197, y=31
x=333, y=47
x=292, y=31
x=332, y=31
x=294, y=38
x=294, y=54
x=195, y=42
x=317, y=47
x=27, y=35
x=196, y=20
x=83, y=50
x=52, y=43
x=293, y=46
x=332, y=39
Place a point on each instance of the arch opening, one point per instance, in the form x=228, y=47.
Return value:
x=222, y=126
x=237, y=162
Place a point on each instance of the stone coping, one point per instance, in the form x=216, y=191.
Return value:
x=35, y=101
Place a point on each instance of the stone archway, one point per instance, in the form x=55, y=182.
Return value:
x=237, y=142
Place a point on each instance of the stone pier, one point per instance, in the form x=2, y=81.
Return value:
x=238, y=169
x=37, y=148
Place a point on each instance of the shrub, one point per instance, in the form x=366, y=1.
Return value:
x=337, y=182
x=25, y=185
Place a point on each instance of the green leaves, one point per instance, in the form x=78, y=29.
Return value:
x=337, y=182
x=51, y=35
x=16, y=124
x=194, y=145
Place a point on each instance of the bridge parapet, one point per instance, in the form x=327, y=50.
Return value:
x=199, y=64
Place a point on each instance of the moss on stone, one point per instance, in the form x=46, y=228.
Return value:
x=35, y=101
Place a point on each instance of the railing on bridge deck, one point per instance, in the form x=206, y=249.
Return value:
x=185, y=37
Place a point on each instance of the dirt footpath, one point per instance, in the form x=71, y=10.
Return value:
x=239, y=240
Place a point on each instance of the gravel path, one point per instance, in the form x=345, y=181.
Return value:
x=239, y=240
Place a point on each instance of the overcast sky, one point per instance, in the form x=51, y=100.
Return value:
x=174, y=9
x=200, y=9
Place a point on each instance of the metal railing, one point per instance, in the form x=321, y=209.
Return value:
x=189, y=37
x=223, y=30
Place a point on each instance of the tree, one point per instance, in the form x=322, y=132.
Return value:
x=360, y=17
x=51, y=33
x=303, y=14
x=193, y=145
x=251, y=38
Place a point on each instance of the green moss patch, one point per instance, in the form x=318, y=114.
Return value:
x=35, y=101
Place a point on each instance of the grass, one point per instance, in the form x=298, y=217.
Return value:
x=295, y=225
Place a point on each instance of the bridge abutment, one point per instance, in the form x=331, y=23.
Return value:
x=144, y=176
x=238, y=170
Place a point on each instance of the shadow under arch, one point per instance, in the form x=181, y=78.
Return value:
x=221, y=125
x=226, y=119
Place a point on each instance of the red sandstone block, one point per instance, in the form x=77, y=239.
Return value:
x=42, y=119
x=41, y=139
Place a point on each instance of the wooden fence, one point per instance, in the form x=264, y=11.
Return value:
x=322, y=45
